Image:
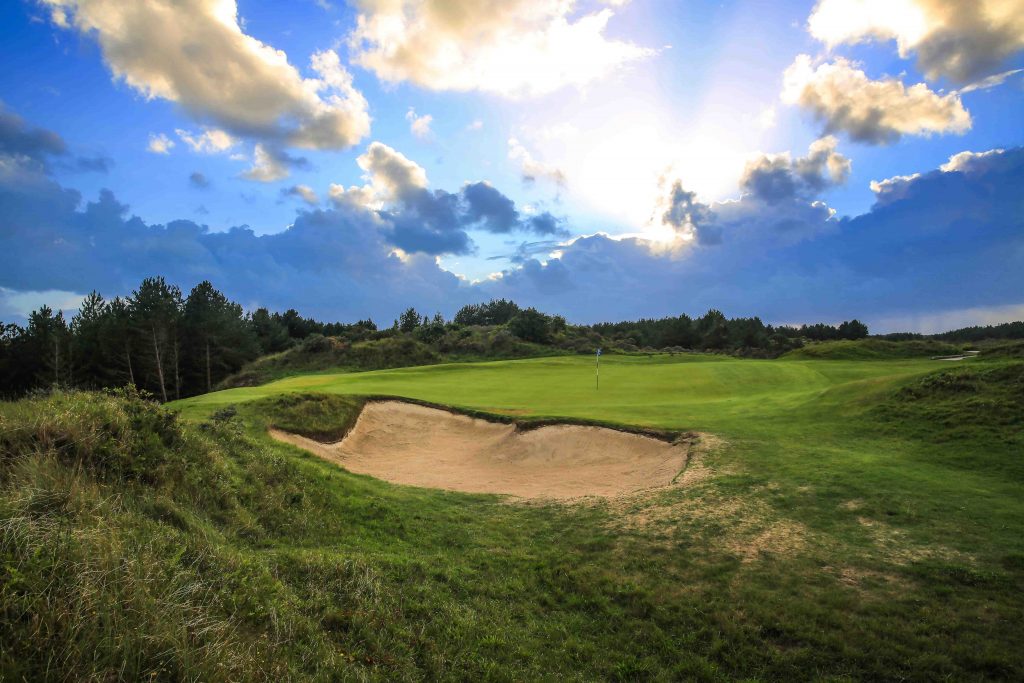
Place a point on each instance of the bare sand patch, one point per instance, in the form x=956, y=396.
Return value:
x=416, y=445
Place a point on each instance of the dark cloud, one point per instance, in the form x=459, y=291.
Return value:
x=439, y=222
x=433, y=221
x=489, y=208
x=338, y=260
x=428, y=222
x=39, y=146
x=527, y=250
x=17, y=138
x=303, y=192
x=97, y=164
x=689, y=217
x=198, y=180
x=778, y=178
x=272, y=162
x=948, y=240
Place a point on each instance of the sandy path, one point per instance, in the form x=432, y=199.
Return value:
x=420, y=446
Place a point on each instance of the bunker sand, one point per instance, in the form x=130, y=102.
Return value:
x=415, y=445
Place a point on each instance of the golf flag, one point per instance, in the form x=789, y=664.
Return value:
x=597, y=370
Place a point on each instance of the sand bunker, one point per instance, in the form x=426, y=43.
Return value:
x=412, y=444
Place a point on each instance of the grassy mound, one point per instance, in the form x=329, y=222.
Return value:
x=872, y=349
x=1014, y=349
x=123, y=546
x=973, y=410
x=318, y=353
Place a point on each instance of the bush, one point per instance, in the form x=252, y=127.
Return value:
x=531, y=325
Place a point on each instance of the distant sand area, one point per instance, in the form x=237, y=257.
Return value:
x=416, y=445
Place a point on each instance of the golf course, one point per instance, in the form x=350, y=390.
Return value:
x=835, y=519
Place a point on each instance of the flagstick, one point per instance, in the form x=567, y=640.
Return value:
x=597, y=372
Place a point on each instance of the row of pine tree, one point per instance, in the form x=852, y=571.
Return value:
x=156, y=338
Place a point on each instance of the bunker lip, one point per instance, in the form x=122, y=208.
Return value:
x=524, y=424
x=421, y=445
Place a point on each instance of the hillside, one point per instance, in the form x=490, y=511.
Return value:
x=318, y=353
x=873, y=349
x=851, y=522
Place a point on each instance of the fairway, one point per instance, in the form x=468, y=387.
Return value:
x=709, y=393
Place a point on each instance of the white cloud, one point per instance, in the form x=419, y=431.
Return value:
x=531, y=168
x=475, y=125
x=766, y=119
x=159, y=144
x=210, y=141
x=936, y=321
x=957, y=39
x=896, y=187
x=195, y=53
x=20, y=304
x=387, y=172
x=512, y=47
x=419, y=125
x=266, y=166
x=875, y=111
x=966, y=161
x=993, y=81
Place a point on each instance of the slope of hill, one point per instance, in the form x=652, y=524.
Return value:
x=872, y=349
x=318, y=353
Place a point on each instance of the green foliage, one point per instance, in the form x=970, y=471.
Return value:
x=408, y=321
x=494, y=312
x=531, y=325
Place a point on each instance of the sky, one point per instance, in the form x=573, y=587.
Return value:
x=799, y=161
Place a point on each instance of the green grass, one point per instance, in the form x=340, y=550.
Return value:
x=861, y=520
x=872, y=349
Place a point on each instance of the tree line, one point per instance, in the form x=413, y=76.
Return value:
x=156, y=339
x=713, y=331
x=176, y=345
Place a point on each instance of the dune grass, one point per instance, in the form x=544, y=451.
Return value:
x=845, y=520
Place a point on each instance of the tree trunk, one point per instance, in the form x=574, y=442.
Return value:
x=177, y=377
x=128, y=355
x=159, y=365
x=209, y=383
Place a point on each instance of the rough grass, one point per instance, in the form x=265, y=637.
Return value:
x=1012, y=349
x=872, y=349
x=822, y=534
x=324, y=417
x=321, y=354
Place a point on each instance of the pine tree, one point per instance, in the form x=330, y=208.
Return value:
x=155, y=310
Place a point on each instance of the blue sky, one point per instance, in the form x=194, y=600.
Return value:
x=602, y=160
